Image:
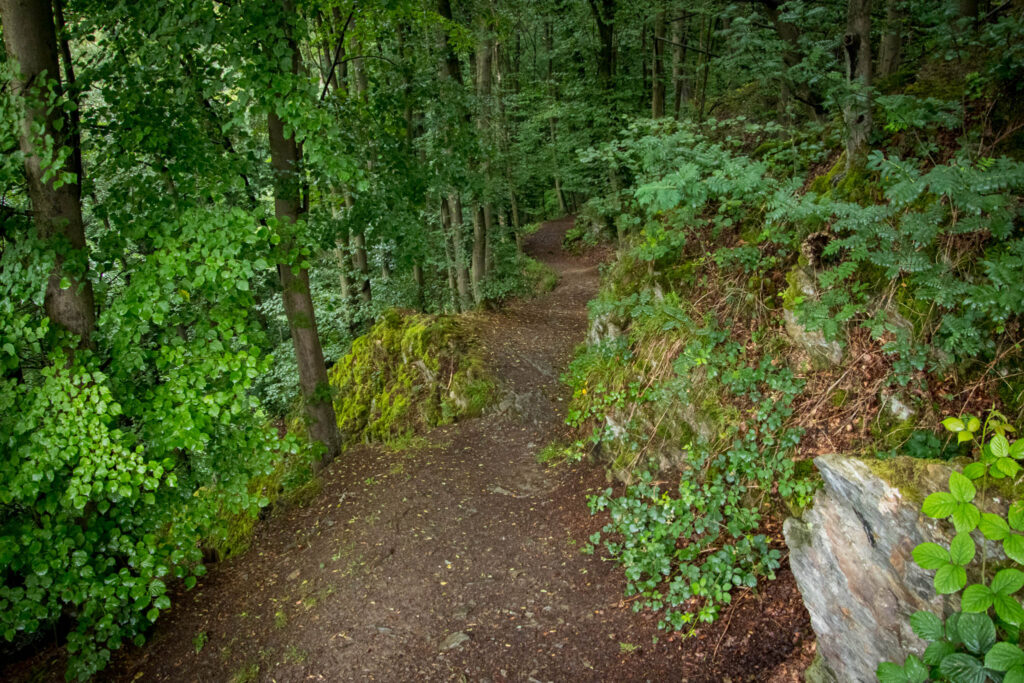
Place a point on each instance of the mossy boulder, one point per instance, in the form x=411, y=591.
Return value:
x=408, y=373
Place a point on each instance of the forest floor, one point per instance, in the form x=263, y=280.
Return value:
x=459, y=558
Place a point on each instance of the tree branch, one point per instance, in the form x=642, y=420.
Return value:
x=337, y=53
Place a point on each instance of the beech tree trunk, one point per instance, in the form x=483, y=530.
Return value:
x=31, y=42
x=481, y=222
x=857, y=54
x=604, y=16
x=680, y=81
x=892, y=38
x=657, y=68
x=285, y=158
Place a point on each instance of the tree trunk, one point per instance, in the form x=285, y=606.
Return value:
x=680, y=81
x=458, y=247
x=449, y=255
x=857, y=54
x=481, y=222
x=604, y=16
x=31, y=42
x=298, y=302
x=657, y=68
x=790, y=35
x=360, y=262
x=892, y=38
x=417, y=278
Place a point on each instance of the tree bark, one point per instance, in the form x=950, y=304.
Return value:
x=458, y=248
x=285, y=158
x=892, y=38
x=604, y=16
x=857, y=55
x=31, y=42
x=657, y=68
x=680, y=82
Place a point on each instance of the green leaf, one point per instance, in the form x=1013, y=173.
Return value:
x=1016, y=515
x=961, y=549
x=993, y=526
x=1013, y=546
x=1008, y=466
x=937, y=651
x=1004, y=656
x=950, y=579
x=939, y=505
x=916, y=671
x=1014, y=675
x=961, y=487
x=930, y=556
x=975, y=470
x=965, y=517
x=926, y=625
x=973, y=424
x=977, y=631
x=1000, y=446
x=953, y=424
x=963, y=437
x=1008, y=581
x=962, y=668
x=888, y=672
x=976, y=598
x=1008, y=609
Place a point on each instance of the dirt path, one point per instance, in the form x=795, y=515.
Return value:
x=458, y=560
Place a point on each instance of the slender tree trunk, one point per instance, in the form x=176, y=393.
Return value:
x=680, y=81
x=857, y=53
x=707, y=44
x=657, y=68
x=417, y=278
x=361, y=262
x=449, y=254
x=481, y=222
x=604, y=16
x=892, y=38
x=31, y=43
x=298, y=302
x=462, y=278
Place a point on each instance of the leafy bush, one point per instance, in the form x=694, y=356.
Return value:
x=980, y=641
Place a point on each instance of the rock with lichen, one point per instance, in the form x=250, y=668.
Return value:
x=851, y=556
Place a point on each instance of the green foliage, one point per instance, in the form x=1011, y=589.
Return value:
x=981, y=641
x=409, y=372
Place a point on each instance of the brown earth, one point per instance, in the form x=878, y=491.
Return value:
x=458, y=559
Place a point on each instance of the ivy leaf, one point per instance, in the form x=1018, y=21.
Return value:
x=926, y=626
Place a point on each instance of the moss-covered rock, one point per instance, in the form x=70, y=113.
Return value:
x=408, y=373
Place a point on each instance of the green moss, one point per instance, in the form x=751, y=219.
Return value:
x=908, y=475
x=839, y=397
x=410, y=372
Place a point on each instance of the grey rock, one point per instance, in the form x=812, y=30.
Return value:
x=851, y=557
x=454, y=640
x=897, y=406
x=603, y=327
x=823, y=353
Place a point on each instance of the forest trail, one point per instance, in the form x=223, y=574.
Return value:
x=459, y=558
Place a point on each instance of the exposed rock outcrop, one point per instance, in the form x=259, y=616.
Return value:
x=851, y=556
